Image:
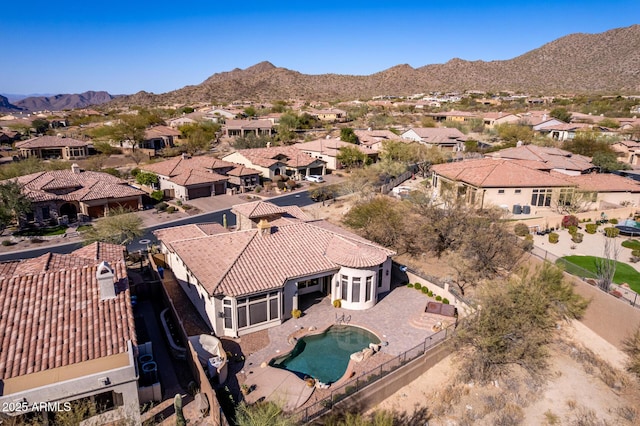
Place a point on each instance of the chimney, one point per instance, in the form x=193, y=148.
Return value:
x=75, y=168
x=104, y=276
x=264, y=228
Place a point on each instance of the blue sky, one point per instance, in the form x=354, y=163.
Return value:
x=127, y=46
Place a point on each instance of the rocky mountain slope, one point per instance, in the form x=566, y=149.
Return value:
x=608, y=62
x=62, y=102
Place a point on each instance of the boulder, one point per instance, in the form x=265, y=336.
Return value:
x=357, y=356
x=367, y=353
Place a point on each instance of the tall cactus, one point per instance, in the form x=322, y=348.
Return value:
x=177, y=406
x=224, y=220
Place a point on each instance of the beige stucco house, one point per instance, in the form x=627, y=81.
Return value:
x=253, y=277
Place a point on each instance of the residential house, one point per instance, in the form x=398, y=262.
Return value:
x=628, y=152
x=606, y=190
x=455, y=116
x=187, y=177
x=493, y=119
x=328, y=150
x=68, y=336
x=62, y=195
x=175, y=123
x=330, y=114
x=219, y=115
x=47, y=147
x=499, y=182
x=278, y=160
x=253, y=278
x=9, y=136
x=242, y=128
x=565, y=132
x=548, y=159
x=373, y=139
x=446, y=138
x=159, y=137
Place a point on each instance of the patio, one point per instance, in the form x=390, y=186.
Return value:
x=389, y=319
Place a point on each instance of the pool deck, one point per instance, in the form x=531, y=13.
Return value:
x=389, y=319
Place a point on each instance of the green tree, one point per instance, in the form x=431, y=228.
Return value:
x=40, y=125
x=199, y=135
x=13, y=203
x=351, y=156
x=512, y=133
x=250, y=111
x=262, y=414
x=516, y=323
x=348, y=135
x=252, y=141
x=147, y=178
x=561, y=114
x=608, y=161
x=119, y=227
x=587, y=143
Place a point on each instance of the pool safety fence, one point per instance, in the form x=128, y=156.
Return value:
x=357, y=384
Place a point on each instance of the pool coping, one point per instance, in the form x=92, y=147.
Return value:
x=304, y=332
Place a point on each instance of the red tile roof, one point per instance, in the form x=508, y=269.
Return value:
x=604, y=182
x=83, y=186
x=288, y=155
x=50, y=142
x=498, y=173
x=52, y=315
x=246, y=262
x=553, y=158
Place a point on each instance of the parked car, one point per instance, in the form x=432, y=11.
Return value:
x=314, y=178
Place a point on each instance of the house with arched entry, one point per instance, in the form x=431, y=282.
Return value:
x=253, y=277
x=70, y=195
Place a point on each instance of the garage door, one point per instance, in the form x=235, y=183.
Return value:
x=199, y=192
x=315, y=171
x=95, y=211
x=219, y=188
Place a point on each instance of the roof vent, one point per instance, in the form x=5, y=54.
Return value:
x=75, y=168
x=104, y=276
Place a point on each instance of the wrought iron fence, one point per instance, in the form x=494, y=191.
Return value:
x=355, y=385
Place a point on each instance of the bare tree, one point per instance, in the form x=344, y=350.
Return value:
x=606, y=265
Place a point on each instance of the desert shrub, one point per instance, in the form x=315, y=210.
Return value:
x=337, y=303
x=425, y=290
x=613, y=221
x=161, y=206
x=157, y=195
x=445, y=300
x=134, y=172
x=521, y=229
x=570, y=220
x=417, y=286
x=257, y=189
x=577, y=237
x=178, y=202
x=6, y=243
x=591, y=228
x=634, y=253
x=187, y=206
x=36, y=240
x=438, y=298
x=296, y=313
x=410, y=285
x=611, y=232
x=553, y=238
x=171, y=209
x=573, y=230
x=430, y=294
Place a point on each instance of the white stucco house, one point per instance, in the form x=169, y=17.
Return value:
x=253, y=277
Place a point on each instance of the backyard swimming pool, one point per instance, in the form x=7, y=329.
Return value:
x=325, y=356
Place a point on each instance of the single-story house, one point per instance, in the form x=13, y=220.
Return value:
x=327, y=150
x=606, y=190
x=241, y=128
x=187, y=177
x=492, y=119
x=373, y=139
x=278, y=160
x=457, y=116
x=252, y=278
x=68, y=336
x=448, y=138
x=329, y=114
x=46, y=147
x=159, y=137
x=499, y=182
x=627, y=151
x=75, y=193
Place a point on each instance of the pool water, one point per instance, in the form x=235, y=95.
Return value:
x=325, y=356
